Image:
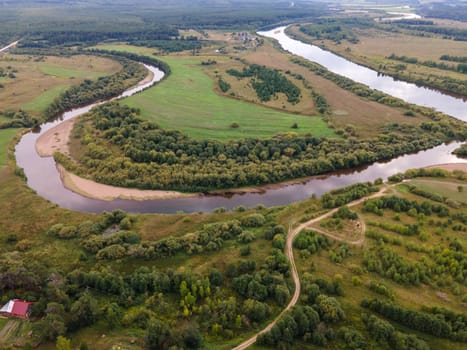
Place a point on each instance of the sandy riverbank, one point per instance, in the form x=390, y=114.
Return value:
x=92, y=189
x=55, y=139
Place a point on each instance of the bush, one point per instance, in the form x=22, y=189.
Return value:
x=112, y=252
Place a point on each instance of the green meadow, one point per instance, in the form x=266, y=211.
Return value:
x=6, y=135
x=63, y=72
x=186, y=101
x=41, y=102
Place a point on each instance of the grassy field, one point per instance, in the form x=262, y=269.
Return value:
x=39, y=81
x=346, y=108
x=41, y=102
x=186, y=101
x=6, y=135
x=69, y=72
x=448, y=189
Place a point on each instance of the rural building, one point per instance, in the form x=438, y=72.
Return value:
x=16, y=308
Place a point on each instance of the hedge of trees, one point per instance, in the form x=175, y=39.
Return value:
x=429, y=323
x=68, y=38
x=385, y=333
x=268, y=82
x=461, y=67
x=347, y=194
x=461, y=59
x=171, y=45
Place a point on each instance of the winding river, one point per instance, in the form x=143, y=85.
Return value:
x=44, y=178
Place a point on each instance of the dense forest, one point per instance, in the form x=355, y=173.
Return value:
x=122, y=149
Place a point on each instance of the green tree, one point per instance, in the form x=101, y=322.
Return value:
x=63, y=343
x=158, y=335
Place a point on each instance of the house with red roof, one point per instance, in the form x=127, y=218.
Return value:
x=17, y=308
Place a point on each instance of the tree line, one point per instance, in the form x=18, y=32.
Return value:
x=461, y=67
x=142, y=150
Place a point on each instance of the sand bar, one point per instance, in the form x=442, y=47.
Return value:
x=450, y=166
x=95, y=190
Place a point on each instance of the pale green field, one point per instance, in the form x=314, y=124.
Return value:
x=6, y=135
x=41, y=102
x=443, y=188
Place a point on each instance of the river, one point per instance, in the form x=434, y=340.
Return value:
x=44, y=178
x=408, y=92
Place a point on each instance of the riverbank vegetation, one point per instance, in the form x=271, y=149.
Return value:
x=116, y=146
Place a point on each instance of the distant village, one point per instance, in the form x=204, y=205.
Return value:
x=248, y=41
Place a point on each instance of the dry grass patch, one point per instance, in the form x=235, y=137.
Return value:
x=35, y=78
x=348, y=108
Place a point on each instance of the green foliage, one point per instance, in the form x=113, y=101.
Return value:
x=63, y=343
x=344, y=195
x=389, y=264
x=19, y=119
x=351, y=338
x=383, y=332
x=380, y=288
x=416, y=320
x=297, y=323
x=311, y=241
x=103, y=88
x=329, y=309
x=158, y=335
x=461, y=151
x=253, y=220
x=268, y=82
x=223, y=85
x=345, y=213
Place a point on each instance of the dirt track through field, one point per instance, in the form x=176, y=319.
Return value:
x=292, y=234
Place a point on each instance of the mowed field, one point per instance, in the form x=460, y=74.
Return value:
x=443, y=188
x=187, y=101
x=38, y=82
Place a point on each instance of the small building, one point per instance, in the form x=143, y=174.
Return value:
x=16, y=308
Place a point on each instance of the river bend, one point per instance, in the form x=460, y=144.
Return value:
x=43, y=176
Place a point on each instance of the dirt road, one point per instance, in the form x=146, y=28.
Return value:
x=292, y=234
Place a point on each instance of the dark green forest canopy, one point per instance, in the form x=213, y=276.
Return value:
x=120, y=148
x=106, y=19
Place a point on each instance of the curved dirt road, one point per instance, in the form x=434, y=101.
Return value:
x=289, y=253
